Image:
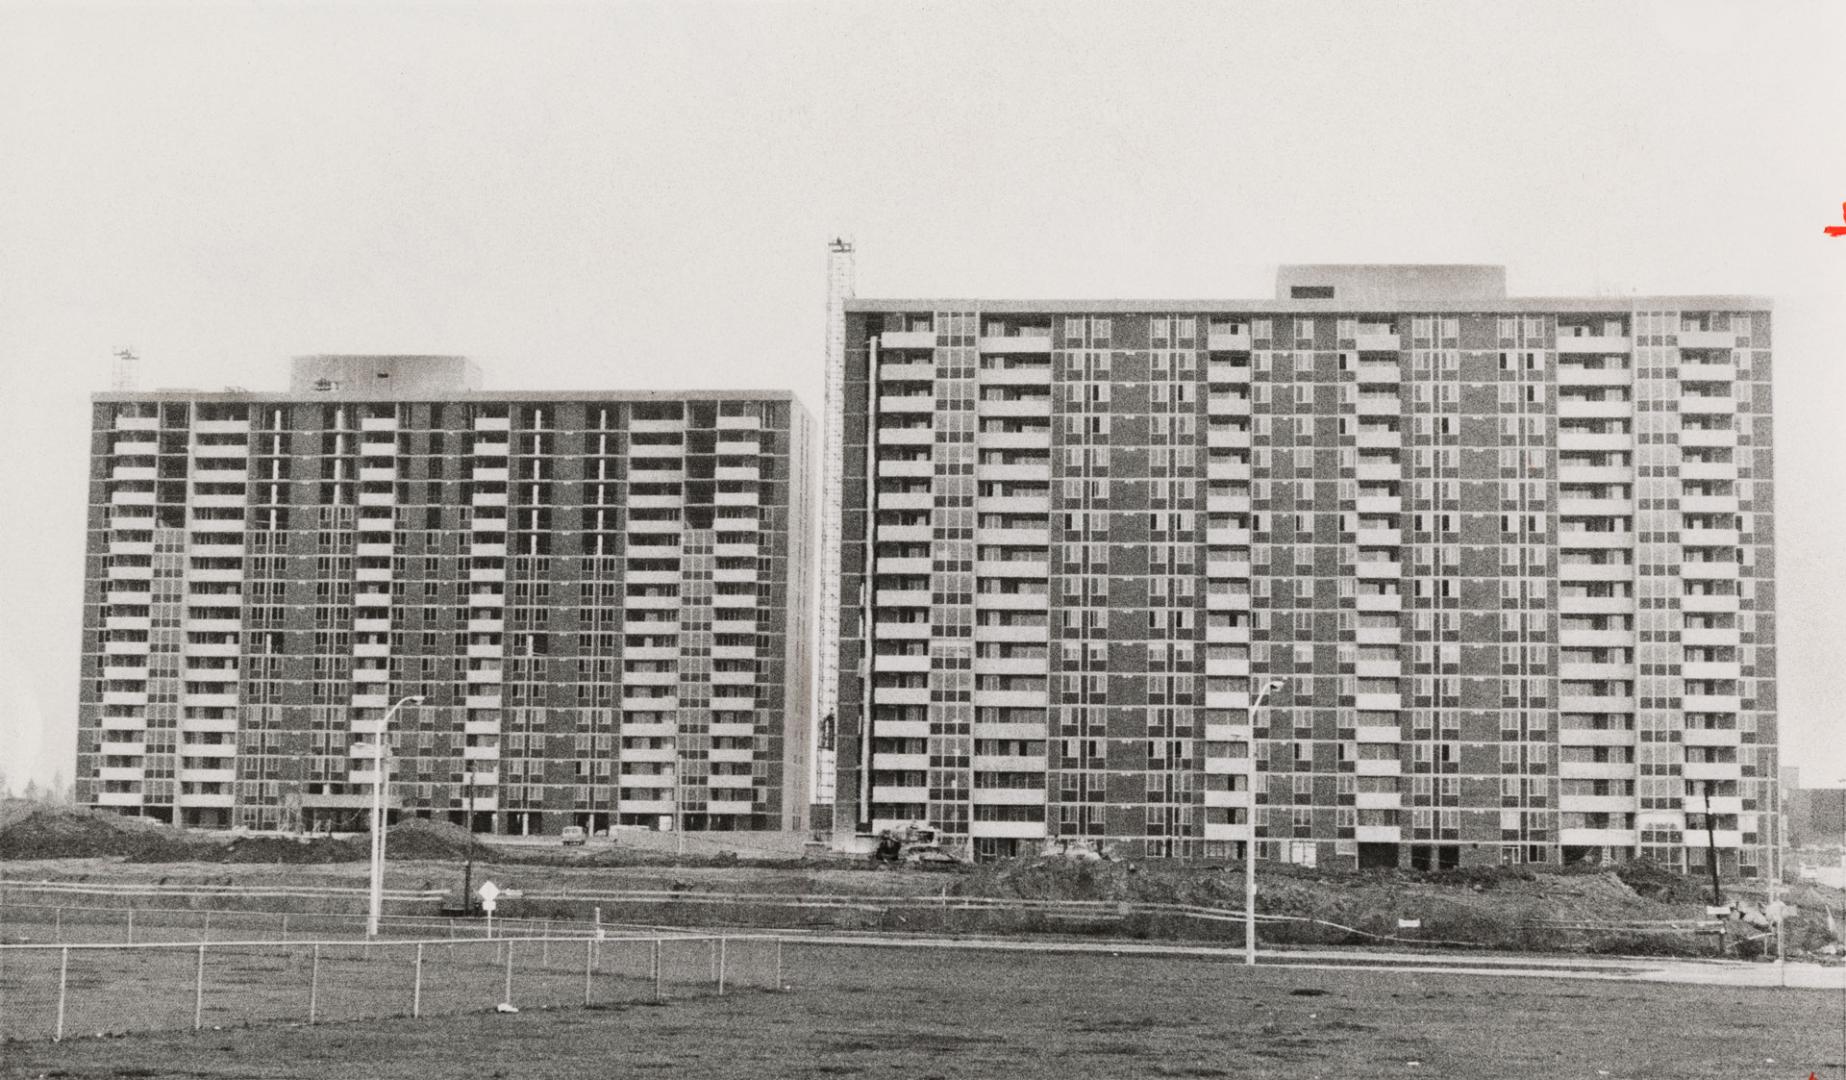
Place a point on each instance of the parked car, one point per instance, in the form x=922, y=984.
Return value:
x=573, y=835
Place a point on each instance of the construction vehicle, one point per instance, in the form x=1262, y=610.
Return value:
x=915, y=844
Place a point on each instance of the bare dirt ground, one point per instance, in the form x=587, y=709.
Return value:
x=897, y=1013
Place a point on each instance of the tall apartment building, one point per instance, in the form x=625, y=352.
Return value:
x=601, y=597
x=1510, y=559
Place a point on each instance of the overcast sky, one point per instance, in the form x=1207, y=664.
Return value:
x=639, y=196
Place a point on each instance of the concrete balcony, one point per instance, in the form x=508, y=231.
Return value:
x=1708, y=504
x=1597, y=804
x=907, y=339
x=1009, y=796
x=1597, y=770
x=1708, y=603
x=1233, y=833
x=1578, y=375
x=1378, y=800
x=1379, y=602
x=1016, y=830
x=1017, y=375
x=1379, y=733
x=1593, y=343
x=885, y=794
x=1594, y=441
x=894, y=404
x=1237, y=340
x=1013, y=601
x=1233, y=799
x=1227, y=766
x=1016, y=344
x=1378, y=504
x=1595, y=474
x=1690, y=371
x=1697, y=736
x=1595, y=737
x=914, y=436
x=1037, y=473
x=1227, y=436
x=1039, y=505
x=893, y=695
x=1612, y=703
x=1615, y=838
x=1376, y=767
x=1707, y=339
x=1029, y=699
x=1694, y=403
x=1028, y=406
x=1720, y=804
x=1377, y=834
x=1707, y=437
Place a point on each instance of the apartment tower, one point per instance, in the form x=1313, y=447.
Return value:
x=1510, y=560
x=601, y=598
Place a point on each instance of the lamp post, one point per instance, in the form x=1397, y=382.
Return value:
x=1249, y=848
x=378, y=816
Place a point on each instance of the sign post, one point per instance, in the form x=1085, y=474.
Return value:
x=490, y=895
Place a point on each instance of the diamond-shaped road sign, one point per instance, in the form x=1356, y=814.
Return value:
x=488, y=892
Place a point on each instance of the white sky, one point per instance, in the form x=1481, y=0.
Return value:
x=639, y=195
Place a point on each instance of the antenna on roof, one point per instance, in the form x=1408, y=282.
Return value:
x=124, y=373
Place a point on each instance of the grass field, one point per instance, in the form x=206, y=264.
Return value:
x=901, y=1013
x=117, y=991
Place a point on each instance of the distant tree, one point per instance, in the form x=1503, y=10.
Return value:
x=33, y=792
x=60, y=792
x=6, y=787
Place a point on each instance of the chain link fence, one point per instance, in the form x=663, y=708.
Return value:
x=55, y=991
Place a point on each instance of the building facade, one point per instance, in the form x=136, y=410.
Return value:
x=1510, y=560
x=601, y=598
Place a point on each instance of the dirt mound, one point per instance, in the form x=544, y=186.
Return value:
x=65, y=833
x=420, y=838
x=283, y=849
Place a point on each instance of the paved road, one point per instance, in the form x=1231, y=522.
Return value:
x=1629, y=969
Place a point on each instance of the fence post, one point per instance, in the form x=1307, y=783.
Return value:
x=198, y=992
x=285, y=926
x=544, y=948
x=205, y=935
x=589, y=967
x=314, y=984
x=509, y=972
x=778, y=984
x=131, y=926
x=57, y=922
x=64, y=963
x=657, y=994
x=711, y=952
x=416, y=994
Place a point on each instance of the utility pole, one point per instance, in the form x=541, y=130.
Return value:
x=1249, y=849
x=1711, y=848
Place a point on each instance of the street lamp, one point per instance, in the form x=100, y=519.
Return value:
x=1249, y=847
x=378, y=816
